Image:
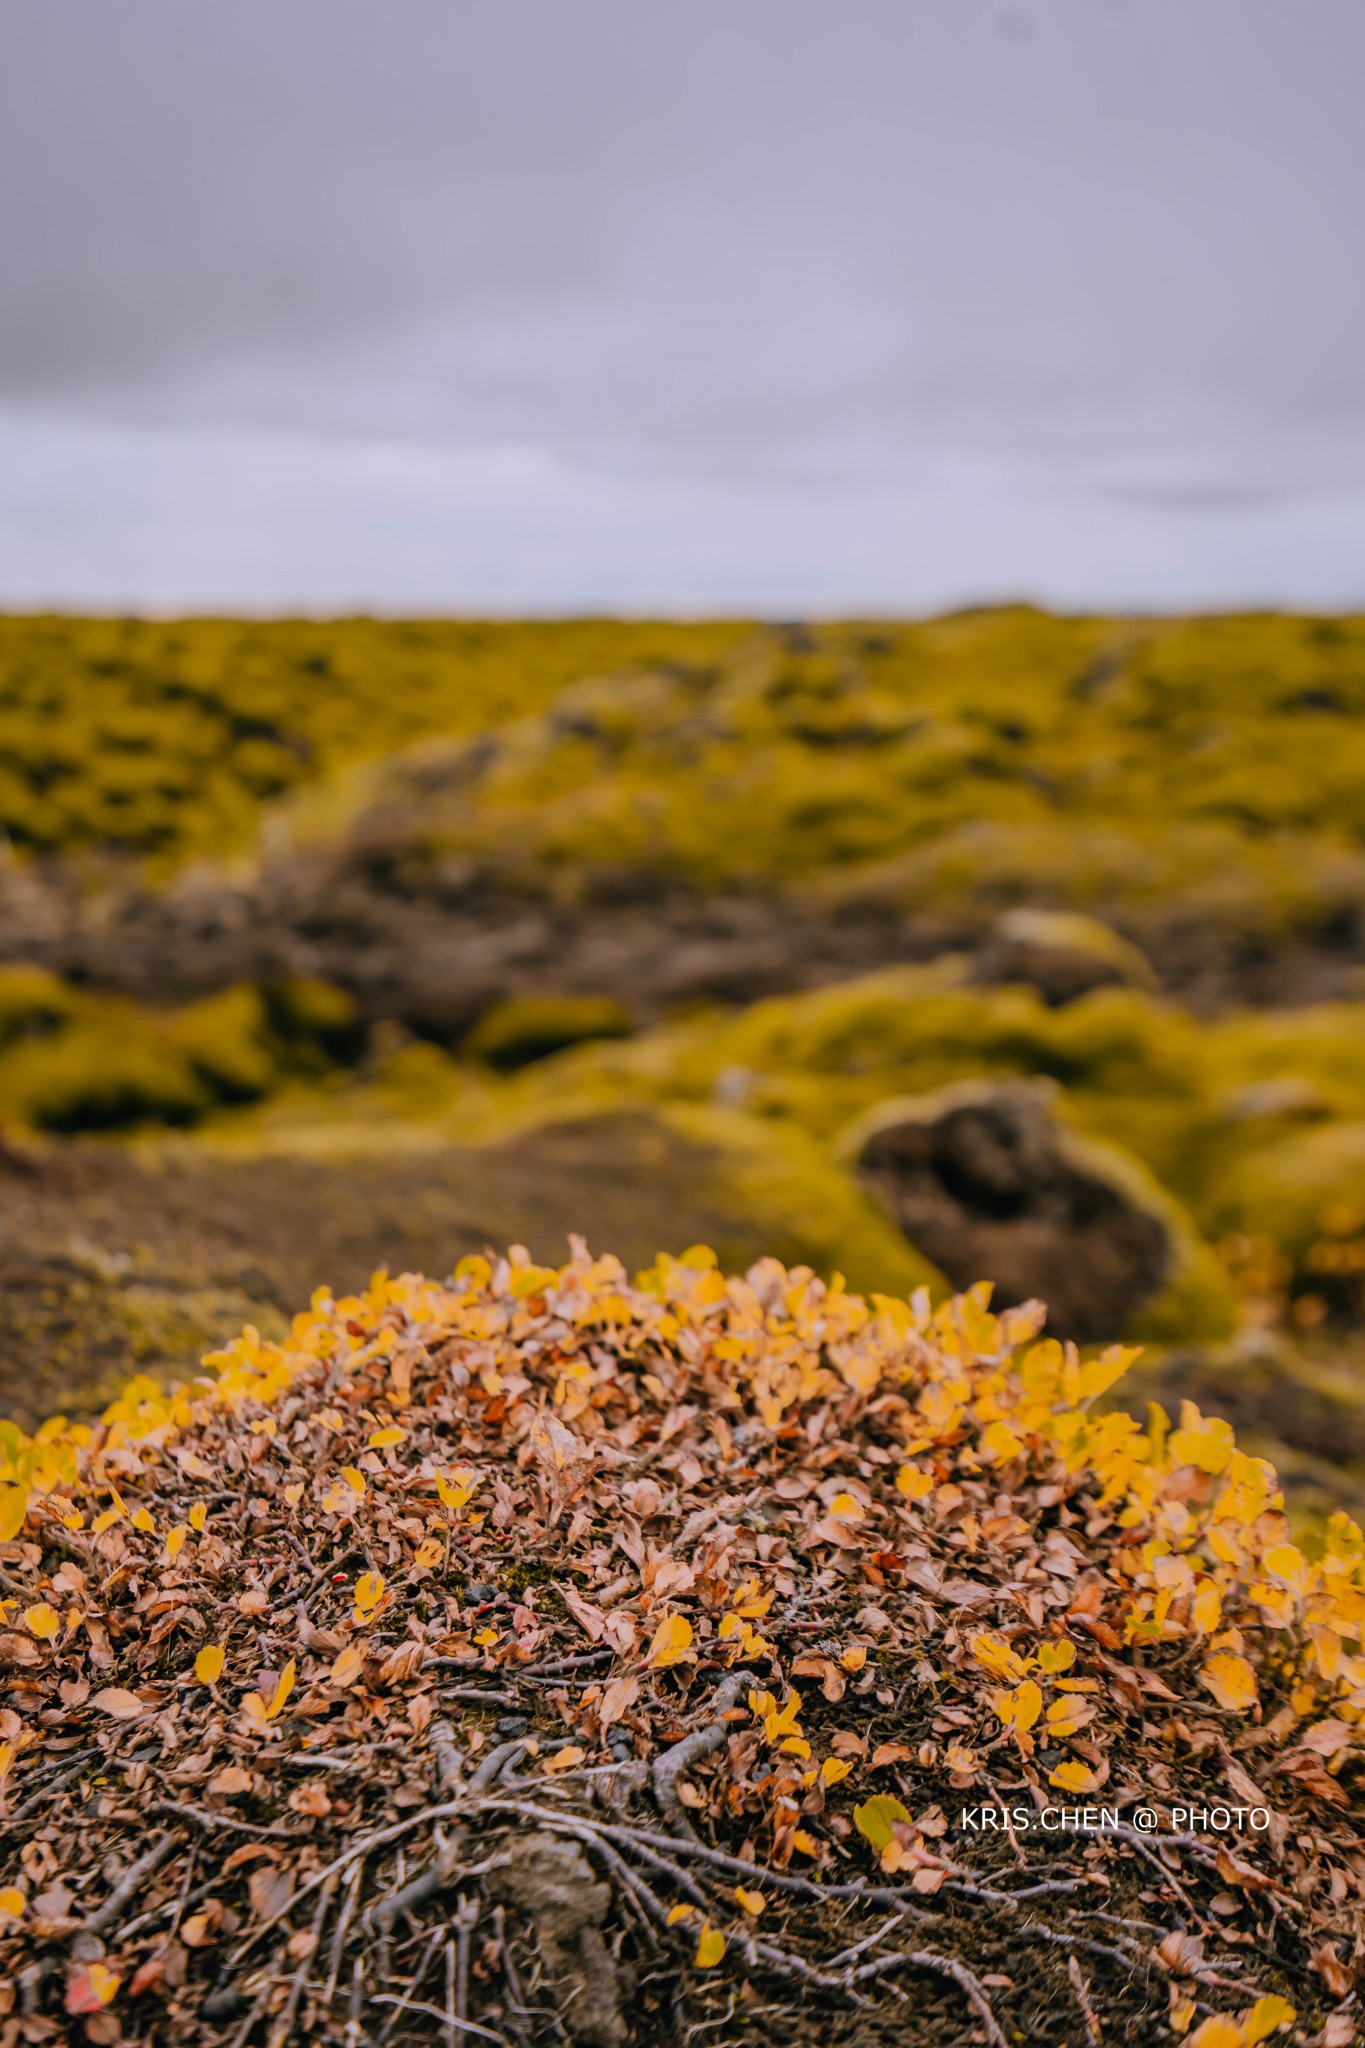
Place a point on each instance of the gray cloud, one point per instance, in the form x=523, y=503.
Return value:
x=1099, y=251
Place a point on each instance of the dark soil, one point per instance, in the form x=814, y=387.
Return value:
x=437, y=950
x=116, y=1259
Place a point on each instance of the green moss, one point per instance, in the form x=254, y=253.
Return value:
x=102, y=1072
x=967, y=765
x=527, y=1028
x=166, y=738
x=74, y=1060
x=33, y=1003
x=225, y=1041
x=797, y=1204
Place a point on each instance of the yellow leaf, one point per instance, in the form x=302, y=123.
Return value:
x=672, y=1641
x=1205, y=1444
x=1020, y=1708
x=847, y=1508
x=999, y=1443
x=282, y=1692
x=142, y=1520
x=293, y=1494
x=1218, y=2031
x=679, y=1913
x=874, y=1819
x=348, y=1666
x=833, y=1769
x=103, y=1982
x=853, y=1660
x=355, y=1480
x=1055, y=1657
x=383, y=1439
x=1066, y=1715
x=199, y=1514
x=429, y=1553
x=456, y=1487
x=43, y=1621
x=485, y=1637
x=805, y=1842
x=1071, y=1777
x=1284, y=1561
x=1230, y=1679
x=710, y=1947
x=13, y=1508
x=369, y=1591
x=913, y=1483
x=208, y=1665
x=106, y=1520
x=1207, y=1608
x=175, y=1541
x=1268, y=2014
x=752, y=1902
x=11, y=1903
x=997, y=1656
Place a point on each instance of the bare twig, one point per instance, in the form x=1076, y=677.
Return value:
x=355, y=2002
x=348, y=1906
x=466, y=1917
x=668, y=1767
x=851, y=1955
x=255, y=2009
x=437, y=1875
x=448, y=1762
x=414, y=1985
x=435, y=2012
x=218, y=1820
x=495, y=1762
x=469, y=1695
x=1019, y=1855
x=1082, y=1991
x=966, y=1980
x=558, y=1666
x=284, y=2023
x=128, y=1886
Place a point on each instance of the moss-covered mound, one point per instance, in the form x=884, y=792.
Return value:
x=442, y=816
x=549, y=1655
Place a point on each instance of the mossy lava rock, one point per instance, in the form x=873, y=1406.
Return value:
x=982, y=1178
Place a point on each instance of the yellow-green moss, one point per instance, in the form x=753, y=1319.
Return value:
x=523, y=1029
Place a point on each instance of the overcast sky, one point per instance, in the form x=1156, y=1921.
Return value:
x=783, y=305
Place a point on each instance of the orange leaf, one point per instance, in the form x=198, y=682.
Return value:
x=710, y=1947
x=348, y=1666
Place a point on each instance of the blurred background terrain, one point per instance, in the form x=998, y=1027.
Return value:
x=381, y=875
x=1002, y=945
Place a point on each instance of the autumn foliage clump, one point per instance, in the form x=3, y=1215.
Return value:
x=552, y=1655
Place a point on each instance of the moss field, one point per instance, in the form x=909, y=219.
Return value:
x=1198, y=785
